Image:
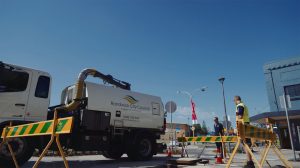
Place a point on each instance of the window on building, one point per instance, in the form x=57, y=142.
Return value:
x=13, y=81
x=293, y=91
x=42, y=87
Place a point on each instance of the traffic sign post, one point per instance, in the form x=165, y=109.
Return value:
x=171, y=107
x=287, y=104
x=193, y=129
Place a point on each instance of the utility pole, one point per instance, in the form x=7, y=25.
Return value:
x=289, y=125
x=190, y=95
x=189, y=126
x=222, y=79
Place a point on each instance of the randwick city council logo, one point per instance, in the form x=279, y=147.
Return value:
x=130, y=99
x=131, y=105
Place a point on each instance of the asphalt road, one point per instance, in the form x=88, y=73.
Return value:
x=97, y=161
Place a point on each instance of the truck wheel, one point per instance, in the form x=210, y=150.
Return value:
x=23, y=151
x=112, y=154
x=142, y=149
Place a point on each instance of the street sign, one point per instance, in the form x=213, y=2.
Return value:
x=193, y=129
x=171, y=107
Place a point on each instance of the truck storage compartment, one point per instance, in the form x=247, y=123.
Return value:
x=95, y=120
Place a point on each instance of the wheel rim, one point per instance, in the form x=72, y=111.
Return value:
x=145, y=147
x=17, y=146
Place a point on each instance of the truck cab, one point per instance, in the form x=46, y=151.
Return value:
x=24, y=93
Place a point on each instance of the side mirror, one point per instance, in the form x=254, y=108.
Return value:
x=5, y=66
x=1, y=65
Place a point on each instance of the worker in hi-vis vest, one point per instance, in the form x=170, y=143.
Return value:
x=243, y=113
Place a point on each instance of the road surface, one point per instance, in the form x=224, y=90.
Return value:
x=97, y=161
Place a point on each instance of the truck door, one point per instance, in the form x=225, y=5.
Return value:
x=14, y=91
x=39, y=98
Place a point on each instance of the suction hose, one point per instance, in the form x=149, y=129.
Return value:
x=79, y=88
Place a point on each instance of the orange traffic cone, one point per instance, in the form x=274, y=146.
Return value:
x=219, y=159
x=169, y=152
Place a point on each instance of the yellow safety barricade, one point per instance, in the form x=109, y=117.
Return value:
x=53, y=127
x=38, y=128
x=246, y=131
x=208, y=139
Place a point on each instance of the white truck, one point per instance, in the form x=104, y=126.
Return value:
x=109, y=118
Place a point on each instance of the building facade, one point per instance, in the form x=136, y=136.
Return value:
x=176, y=130
x=283, y=78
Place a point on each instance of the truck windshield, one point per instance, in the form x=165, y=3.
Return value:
x=13, y=81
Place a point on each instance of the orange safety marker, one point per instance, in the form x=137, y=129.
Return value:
x=169, y=152
x=219, y=159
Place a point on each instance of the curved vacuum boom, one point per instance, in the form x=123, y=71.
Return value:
x=79, y=87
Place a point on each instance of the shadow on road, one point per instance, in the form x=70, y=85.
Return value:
x=156, y=162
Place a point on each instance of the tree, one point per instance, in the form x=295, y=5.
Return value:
x=198, y=129
x=204, y=128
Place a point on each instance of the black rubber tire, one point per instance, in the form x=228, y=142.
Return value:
x=142, y=149
x=22, y=156
x=105, y=154
x=112, y=154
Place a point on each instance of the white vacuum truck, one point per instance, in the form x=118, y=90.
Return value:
x=109, y=118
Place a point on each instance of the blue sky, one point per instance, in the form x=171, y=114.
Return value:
x=159, y=46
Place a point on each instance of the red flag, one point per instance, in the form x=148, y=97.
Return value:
x=194, y=116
